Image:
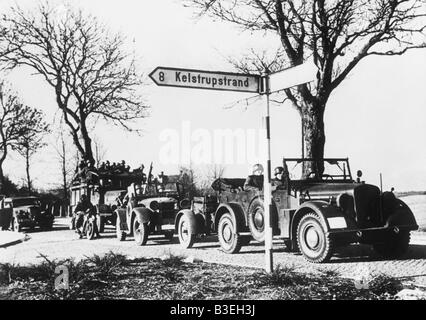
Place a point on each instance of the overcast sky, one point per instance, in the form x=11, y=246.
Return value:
x=376, y=117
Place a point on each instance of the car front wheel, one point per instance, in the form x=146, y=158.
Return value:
x=313, y=241
x=186, y=238
x=140, y=232
x=230, y=241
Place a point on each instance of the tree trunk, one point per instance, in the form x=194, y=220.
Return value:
x=87, y=144
x=1, y=178
x=314, y=138
x=64, y=171
x=27, y=167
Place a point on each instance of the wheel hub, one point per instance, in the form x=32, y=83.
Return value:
x=312, y=238
x=184, y=231
x=259, y=219
x=227, y=233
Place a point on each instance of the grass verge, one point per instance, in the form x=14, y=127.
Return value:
x=113, y=276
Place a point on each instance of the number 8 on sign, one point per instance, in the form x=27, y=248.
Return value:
x=161, y=76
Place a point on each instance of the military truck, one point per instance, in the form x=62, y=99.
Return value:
x=149, y=209
x=311, y=214
x=103, y=188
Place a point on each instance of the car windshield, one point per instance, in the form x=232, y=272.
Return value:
x=334, y=170
x=168, y=187
x=26, y=202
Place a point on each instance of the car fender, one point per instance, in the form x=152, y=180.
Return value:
x=237, y=214
x=143, y=215
x=400, y=215
x=121, y=219
x=196, y=221
x=324, y=211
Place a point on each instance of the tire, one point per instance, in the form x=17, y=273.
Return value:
x=140, y=232
x=313, y=242
x=395, y=245
x=16, y=226
x=256, y=220
x=90, y=230
x=230, y=241
x=186, y=239
x=120, y=234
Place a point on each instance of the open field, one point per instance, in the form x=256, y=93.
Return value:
x=417, y=203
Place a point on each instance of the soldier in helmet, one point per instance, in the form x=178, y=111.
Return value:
x=83, y=206
x=255, y=180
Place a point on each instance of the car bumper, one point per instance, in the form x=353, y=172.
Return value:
x=370, y=235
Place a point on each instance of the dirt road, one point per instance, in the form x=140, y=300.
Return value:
x=349, y=262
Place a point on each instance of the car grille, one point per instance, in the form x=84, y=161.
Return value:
x=367, y=206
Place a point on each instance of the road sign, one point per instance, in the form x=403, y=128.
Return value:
x=198, y=79
x=293, y=76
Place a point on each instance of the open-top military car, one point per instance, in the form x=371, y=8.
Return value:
x=149, y=209
x=313, y=214
x=24, y=212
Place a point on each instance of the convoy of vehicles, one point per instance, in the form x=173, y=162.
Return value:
x=313, y=215
x=17, y=213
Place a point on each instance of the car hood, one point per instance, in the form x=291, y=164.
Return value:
x=329, y=189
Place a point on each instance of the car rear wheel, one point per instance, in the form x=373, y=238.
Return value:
x=90, y=230
x=140, y=232
x=186, y=238
x=313, y=241
x=394, y=245
x=230, y=241
x=256, y=220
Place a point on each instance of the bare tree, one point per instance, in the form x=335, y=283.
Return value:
x=16, y=121
x=92, y=77
x=336, y=34
x=67, y=162
x=32, y=141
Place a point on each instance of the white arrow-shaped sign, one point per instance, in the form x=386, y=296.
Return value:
x=198, y=79
x=293, y=76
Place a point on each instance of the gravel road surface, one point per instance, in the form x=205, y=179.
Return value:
x=349, y=262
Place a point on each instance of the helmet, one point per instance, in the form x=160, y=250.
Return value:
x=278, y=170
x=258, y=168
